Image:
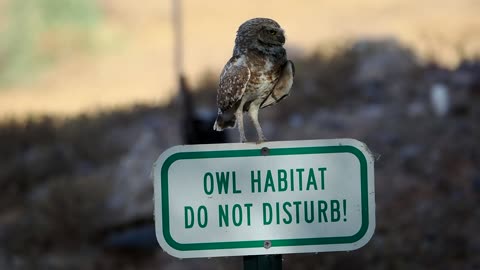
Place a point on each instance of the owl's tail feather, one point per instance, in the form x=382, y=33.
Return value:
x=224, y=120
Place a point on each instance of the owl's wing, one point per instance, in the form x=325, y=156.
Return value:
x=282, y=87
x=233, y=81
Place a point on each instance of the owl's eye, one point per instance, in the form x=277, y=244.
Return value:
x=272, y=32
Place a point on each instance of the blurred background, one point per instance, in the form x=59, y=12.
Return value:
x=89, y=97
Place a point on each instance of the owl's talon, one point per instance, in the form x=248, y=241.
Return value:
x=261, y=140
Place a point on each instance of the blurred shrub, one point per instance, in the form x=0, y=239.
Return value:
x=43, y=148
x=64, y=213
x=39, y=32
x=324, y=77
x=54, y=172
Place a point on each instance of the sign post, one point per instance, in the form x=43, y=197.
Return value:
x=268, y=262
x=272, y=198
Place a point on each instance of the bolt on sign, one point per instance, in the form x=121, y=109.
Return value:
x=271, y=198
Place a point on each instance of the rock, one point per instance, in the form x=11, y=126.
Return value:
x=440, y=99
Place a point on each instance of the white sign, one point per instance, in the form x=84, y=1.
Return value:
x=270, y=198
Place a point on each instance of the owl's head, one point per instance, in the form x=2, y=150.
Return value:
x=262, y=34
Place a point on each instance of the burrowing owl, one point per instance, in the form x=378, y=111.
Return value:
x=258, y=75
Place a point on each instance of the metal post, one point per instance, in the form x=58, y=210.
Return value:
x=262, y=262
x=178, y=38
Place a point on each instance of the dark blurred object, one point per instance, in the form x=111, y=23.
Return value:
x=197, y=128
x=140, y=237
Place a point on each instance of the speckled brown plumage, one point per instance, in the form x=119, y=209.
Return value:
x=258, y=75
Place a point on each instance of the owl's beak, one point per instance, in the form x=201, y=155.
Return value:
x=281, y=39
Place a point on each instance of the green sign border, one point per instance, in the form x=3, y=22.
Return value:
x=255, y=153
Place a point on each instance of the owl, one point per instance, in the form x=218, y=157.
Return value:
x=258, y=75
